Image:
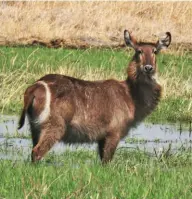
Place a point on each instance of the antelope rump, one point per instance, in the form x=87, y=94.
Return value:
x=65, y=109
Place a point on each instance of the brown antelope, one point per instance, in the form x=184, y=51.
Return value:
x=62, y=108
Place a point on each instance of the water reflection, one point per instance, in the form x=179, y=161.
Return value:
x=148, y=137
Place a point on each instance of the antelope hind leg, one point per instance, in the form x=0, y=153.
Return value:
x=47, y=139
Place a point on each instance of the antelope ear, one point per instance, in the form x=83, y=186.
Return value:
x=164, y=41
x=129, y=39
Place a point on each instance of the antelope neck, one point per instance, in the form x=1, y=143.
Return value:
x=145, y=95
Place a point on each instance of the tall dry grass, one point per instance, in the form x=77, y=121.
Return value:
x=82, y=24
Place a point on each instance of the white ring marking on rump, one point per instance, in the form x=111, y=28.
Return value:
x=46, y=111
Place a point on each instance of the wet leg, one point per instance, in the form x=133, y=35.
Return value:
x=101, y=144
x=47, y=139
x=35, y=133
x=110, y=146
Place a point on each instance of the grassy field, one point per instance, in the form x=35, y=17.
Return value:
x=84, y=25
x=132, y=174
x=21, y=66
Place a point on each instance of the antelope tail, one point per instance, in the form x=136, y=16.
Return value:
x=28, y=100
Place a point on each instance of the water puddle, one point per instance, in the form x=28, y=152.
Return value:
x=151, y=138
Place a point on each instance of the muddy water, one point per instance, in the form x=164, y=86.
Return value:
x=15, y=144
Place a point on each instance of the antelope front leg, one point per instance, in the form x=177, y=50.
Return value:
x=109, y=148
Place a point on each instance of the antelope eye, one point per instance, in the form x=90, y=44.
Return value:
x=155, y=51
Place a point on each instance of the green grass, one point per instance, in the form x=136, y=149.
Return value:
x=132, y=174
x=79, y=174
x=21, y=66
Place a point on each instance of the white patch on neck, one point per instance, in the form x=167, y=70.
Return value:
x=46, y=111
x=155, y=78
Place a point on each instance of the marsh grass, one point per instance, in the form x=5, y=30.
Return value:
x=20, y=67
x=132, y=174
x=17, y=134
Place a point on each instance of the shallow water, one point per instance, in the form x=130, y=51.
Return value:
x=148, y=137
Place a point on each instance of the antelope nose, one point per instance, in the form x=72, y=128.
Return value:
x=148, y=68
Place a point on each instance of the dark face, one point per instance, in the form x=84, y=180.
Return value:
x=145, y=56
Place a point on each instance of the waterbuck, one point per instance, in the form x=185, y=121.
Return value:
x=63, y=108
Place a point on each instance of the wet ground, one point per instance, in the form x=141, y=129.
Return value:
x=153, y=138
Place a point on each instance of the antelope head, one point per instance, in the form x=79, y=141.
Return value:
x=143, y=65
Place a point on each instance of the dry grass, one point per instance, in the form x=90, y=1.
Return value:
x=13, y=84
x=82, y=24
x=174, y=85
